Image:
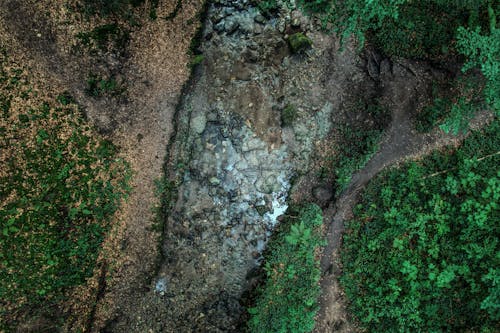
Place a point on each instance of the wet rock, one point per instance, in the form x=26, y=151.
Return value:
x=219, y=27
x=231, y=25
x=260, y=19
x=250, y=55
x=198, y=123
x=262, y=209
x=253, y=144
x=214, y=181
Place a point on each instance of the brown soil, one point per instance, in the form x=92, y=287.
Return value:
x=404, y=89
x=40, y=35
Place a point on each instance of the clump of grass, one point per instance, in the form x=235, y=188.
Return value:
x=287, y=301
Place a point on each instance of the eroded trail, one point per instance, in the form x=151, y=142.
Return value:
x=403, y=86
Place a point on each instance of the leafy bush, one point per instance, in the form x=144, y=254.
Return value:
x=422, y=29
x=483, y=51
x=59, y=185
x=353, y=153
x=287, y=302
x=453, y=106
x=421, y=254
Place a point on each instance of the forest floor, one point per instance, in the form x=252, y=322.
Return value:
x=42, y=37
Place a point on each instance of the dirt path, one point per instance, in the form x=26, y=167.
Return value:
x=404, y=86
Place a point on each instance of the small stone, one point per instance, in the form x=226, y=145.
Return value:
x=230, y=26
x=262, y=209
x=214, y=181
x=198, y=123
x=259, y=19
x=161, y=286
x=219, y=27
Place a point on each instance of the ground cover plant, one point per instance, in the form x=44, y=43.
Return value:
x=356, y=143
x=60, y=183
x=422, y=253
x=287, y=301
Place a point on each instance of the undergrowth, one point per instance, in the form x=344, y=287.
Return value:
x=59, y=185
x=357, y=144
x=287, y=301
x=421, y=254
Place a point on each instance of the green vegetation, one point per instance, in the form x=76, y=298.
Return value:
x=99, y=87
x=59, y=185
x=352, y=154
x=357, y=143
x=287, y=302
x=422, y=253
x=196, y=60
x=299, y=42
x=106, y=37
x=288, y=115
x=446, y=108
x=268, y=7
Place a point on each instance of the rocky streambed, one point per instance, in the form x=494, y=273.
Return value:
x=235, y=158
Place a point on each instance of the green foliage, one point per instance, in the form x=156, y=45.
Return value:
x=422, y=29
x=356, y=150
x=196, y=60
x=422, y=253
x=59, y=185
x=431, y=30
x=99, y=86
x=450, y=112
x=483, y=51
x=267, y=7
x=357, y=144
x=288, y=115
x=299, y=42
x=106, y=37
x=287, y=302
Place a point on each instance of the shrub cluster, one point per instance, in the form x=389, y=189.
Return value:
x=421, y=254
x=287, y=301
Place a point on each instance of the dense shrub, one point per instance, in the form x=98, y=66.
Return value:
x=421, y=254
x=287, y=302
